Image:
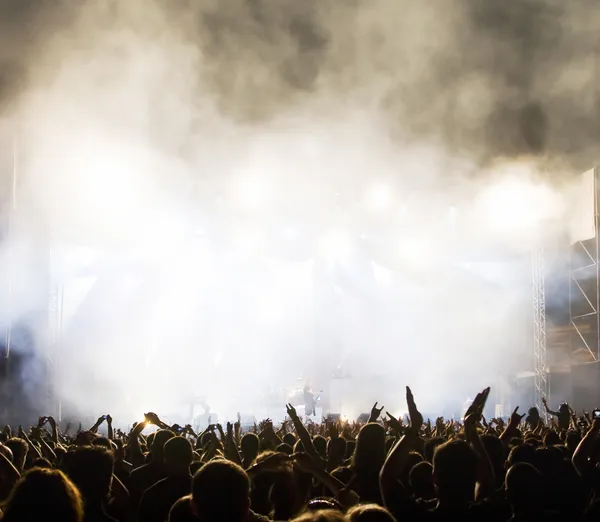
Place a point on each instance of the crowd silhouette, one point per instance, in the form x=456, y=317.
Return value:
x=518, y=469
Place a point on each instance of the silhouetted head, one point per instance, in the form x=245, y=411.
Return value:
x=369, y=513
x=41, y=463
x=289, y=438
x=421, y=481
x=369, y=453
x=521, y=453
x=91, y=469
x=284, y=448
x=320, y=444
x=220, y=491
x=524, y=488
x=19, y=450
x=7, y=452
x=454, y=471
x=178, y=454
x=158, y=443
x=250, y=445
x=324, y=515
x=44, y=494
x=336, y=449
x=552, y=438
x=413, y=458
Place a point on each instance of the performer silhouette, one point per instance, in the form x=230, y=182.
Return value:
x=309, y=401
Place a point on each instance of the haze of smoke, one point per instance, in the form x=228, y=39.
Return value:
x=126, y=109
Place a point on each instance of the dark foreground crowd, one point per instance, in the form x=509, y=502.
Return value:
x=383, y=470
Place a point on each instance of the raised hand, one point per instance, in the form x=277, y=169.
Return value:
x=268, y=426
x=375, y=413
x=333, y=430
x=416, y=419
x=291, y=411
x=478, y=404
x=439, y=425
x=152, y=418
x=428, y=430
x=109, y=419
x=515, y=418
x=394, y=423
x=474, y=413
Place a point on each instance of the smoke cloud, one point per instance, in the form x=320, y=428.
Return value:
x=162, y=147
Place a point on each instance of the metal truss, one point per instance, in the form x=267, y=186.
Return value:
x=540, y=365
x=584, y=293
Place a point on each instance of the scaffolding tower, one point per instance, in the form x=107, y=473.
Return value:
x=540, y=363
x=584, y=292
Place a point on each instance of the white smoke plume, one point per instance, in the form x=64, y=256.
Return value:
x=165, y=150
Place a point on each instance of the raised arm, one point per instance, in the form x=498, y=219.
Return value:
x=548, y=410
x=302, y=433
x=396, y=460
x=485, y=470
x=134, y=450
x=585, y=450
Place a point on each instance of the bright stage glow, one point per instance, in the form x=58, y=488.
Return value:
x=379, y=198
x=452, y=214
x=381, y=274
x=417, y=252
x=515, y=205
x=251, y=193
x=336, y=245
x=118, y=177
x=249, y=242
x=269, y=309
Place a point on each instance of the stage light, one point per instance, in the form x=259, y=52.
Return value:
x=336, y=245
x=379, y=198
